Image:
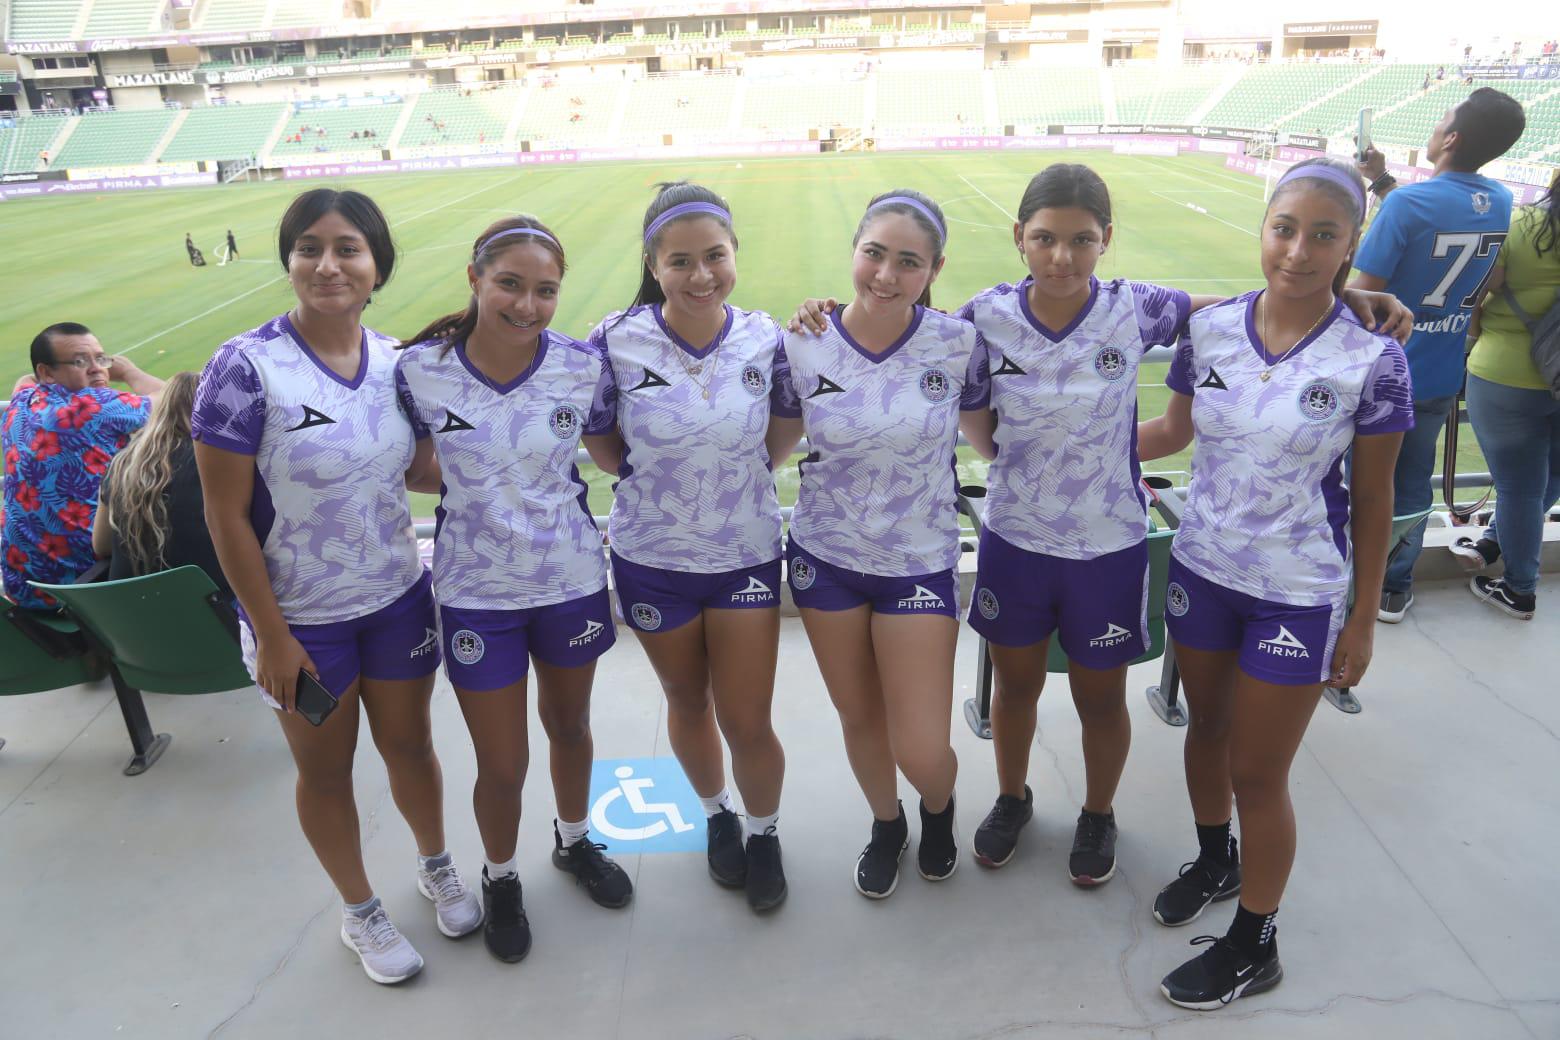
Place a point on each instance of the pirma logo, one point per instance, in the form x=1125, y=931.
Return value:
x=1284, y=645
x=986, y=603
x=564, y=422
x=1176, y=600
x=756, y=592
x=429, y=644
x=922, y=599
x=1114, y=635
x=753, y=381
x=1318, y=402
x=646, y=616
x=592, y=630
x=934, y=385
x=802, y=573
x=1110, y=363
x=467, y=646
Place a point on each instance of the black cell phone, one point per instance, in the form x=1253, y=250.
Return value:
x=314, y=702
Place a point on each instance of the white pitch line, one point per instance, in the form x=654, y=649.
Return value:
x=988, y=198
x=1210, y=216
x=282, y=277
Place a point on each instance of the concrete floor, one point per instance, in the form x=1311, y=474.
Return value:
x=185, y=903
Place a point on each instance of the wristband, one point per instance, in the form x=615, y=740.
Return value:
x=1386, y=180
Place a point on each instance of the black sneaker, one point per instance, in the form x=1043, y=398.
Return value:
x=605, y=881
x=877, y=868
x=728, y=863
x=1220, y=974
x=765, y=886
x=1393, y=606
x=1093, y=859
x=506, y=932
x=1475, y=555
x=937, y=856
x=997, y=836
x=1499, y=595
x=1201, y=882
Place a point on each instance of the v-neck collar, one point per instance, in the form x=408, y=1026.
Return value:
x=350, y=384
x=837, y=316
x=504, y=388
x=699, y=353
x=1254, y=339
x=1057, y=335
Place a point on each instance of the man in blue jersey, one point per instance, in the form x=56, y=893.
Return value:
x=1433, y=245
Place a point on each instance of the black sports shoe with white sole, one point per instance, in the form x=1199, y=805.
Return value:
x=937, y=856
x=1093, y=858
x=1475, y=555
x=997, y=836
x=727, y=859
x=877, y=868
x=1220, y=974
x=604, y=881
x=1502, y=597
x=1201, y=882
x=506, y=932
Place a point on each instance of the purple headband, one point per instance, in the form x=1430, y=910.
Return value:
x=904, y=200
x=684, y=209
x=1327, y=173
x=537, y=232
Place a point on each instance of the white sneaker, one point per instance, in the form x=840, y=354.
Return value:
x=458, y=908
x=386, y=955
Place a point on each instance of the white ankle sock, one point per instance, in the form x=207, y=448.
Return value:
x=498, y=870
x=719, y=802
x=427, y=863
x=761, y=824
x=572, y=832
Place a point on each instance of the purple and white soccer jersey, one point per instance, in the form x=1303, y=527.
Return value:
x=695, y=493
x=515, y=531
x=879, y=491
x=329, y=506
x=1267, y=511
x=1065, y=479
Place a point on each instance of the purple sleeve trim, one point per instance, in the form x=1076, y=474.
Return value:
x=230, y=404
x=783, y=398
x=1179, y=378
x=1387, y=402
x=216, y=440
x=977, y=378
x=1161, y=312
x=603, y=404
x=403, y=397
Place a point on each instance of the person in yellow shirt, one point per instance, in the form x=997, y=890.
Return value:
x=1515, y=415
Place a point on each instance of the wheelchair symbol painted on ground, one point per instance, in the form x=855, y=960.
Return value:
x=645, y=805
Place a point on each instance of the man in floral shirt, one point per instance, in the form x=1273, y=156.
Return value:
x=58, y=437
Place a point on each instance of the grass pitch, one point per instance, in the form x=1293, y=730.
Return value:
x=117, y=262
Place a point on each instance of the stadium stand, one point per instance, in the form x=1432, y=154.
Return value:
x=19, y=146
x=550, y=114
x=1412, y=122
x=339, y=125
x=914, y=101
x=1268, y=93
x=1387, y=85
x=115, y=138
x=287, y=14
x=223, y=132
x=233, y=14
x=1031, y=97
x=787, y=109
x=1542, y=139
x=123, y=17
x=478, y=119
x=43, y=19
x=1156, y=95
x=683, y=106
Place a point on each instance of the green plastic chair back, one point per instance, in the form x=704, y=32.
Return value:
x=1401, y=525
x=25, y=667
x=1158, y=578
x=162, y=630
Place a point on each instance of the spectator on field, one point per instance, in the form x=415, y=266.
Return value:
x=1432, y=245
x=151, y=516
x=232, y=245
x=57, y=438
x=1515, y=411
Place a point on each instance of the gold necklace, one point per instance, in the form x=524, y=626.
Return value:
x=1267, y=373
x=693, y=368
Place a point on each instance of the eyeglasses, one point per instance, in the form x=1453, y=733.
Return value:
x=96, y=361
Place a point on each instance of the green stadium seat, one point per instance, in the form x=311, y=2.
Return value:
x=233, y=14
x=124, y=17
x=339, y=124
x=790, y=108
x=115, y=138
x=910, y=101
x=42, y=19
x=1029, y=97
x=43, y=652
x=223, y=132
x=1269, y=93
x=20, y=145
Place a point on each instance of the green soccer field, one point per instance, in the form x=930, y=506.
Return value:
x=117, y=262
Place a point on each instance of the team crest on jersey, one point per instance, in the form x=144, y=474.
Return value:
x=753, y=381
x=564, y=421
x=467, y=646
x=986, y=603
x=802, y=573
x=1110, y=363
x=1176, y=600
x=1481, y=202
x=934, y=385
x=646, y=616
x=1318, y=402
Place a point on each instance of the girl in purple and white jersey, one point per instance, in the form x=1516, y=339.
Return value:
x=695, y=526
x=875, y=537
x=305, y=459
x=518, y=567
x=1279, y=387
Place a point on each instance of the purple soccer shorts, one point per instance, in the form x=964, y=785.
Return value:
x=657, y=600
x=819, y=585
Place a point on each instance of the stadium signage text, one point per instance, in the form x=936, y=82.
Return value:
x=1331, y=28
x=256, y=74
x=148, y=79
x=1039, y=36
x=1550, y=71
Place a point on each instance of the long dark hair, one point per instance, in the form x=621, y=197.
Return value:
x=1547, y=211
x=936, y=230
x=458, y=325
x=669, y=194
x=1352, y=203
